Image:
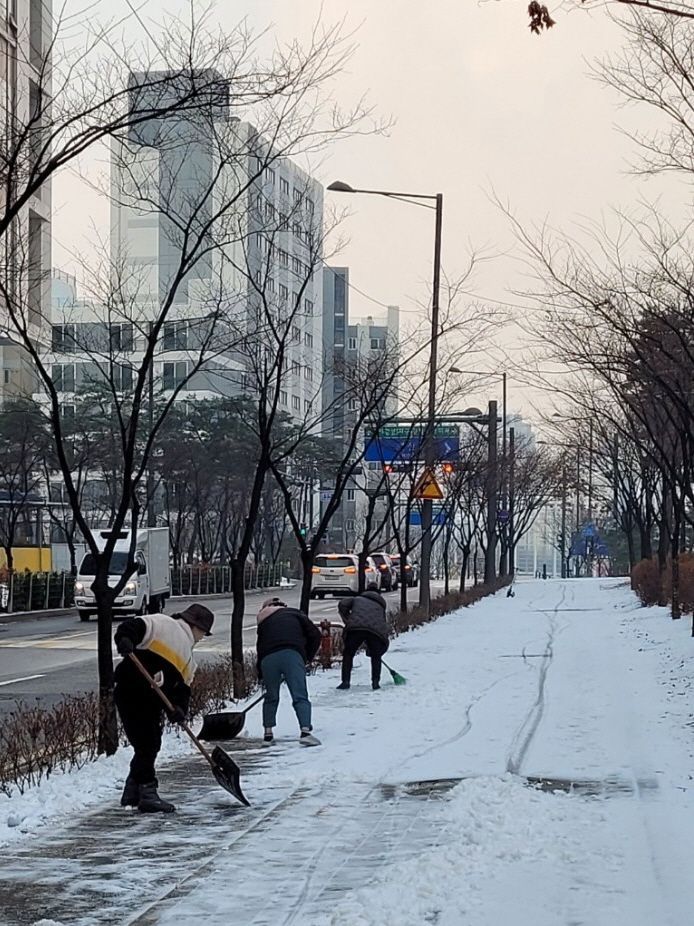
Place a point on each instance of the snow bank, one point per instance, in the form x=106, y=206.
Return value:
x=64, y=794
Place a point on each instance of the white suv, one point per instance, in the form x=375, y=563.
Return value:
x=338, y=574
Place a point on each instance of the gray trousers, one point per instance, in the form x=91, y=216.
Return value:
x=285, y=665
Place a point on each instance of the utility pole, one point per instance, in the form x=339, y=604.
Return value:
x=151, y=513
x=564, y=556
x=511, y=500
x=505, y=479
x=430, y=433
x=492, y=494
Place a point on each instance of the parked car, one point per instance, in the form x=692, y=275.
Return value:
x=411, y=569
x=389, y=574
x=338, y=574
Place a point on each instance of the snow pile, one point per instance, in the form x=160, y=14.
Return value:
x=64, y=794
x=491, y=823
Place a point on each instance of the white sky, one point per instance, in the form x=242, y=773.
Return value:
x=478, y=103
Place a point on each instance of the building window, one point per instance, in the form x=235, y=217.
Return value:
x=67, y=412
x=175, y=375
x=122, y=378
x=297, y=195
x=307, y=406
x=296, y=228
x=308, y=339
x=296, y=368
x=349, y=526
x=258, y=277
x=269, y=211
x=308, y=373
x=121, y=337
x=296, y=403
x=176, y=335
x=378, y=343
x=284, y=221
x=352, y=344
x=284, y=293
x=310, y=206
x=296, y=265
x=284, y=186
x=63, y=339
x=283, y=396
x=296, y=334
x=353, y=405
x=350, y=495
x=63, y=376
x=271, y=285
x=308, y=306
x=271, y=175
x=284, y=258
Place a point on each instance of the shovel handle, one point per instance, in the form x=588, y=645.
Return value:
x=253, y=704
x=169, y=706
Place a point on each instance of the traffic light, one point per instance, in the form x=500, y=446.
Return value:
x=448, y=468
x=303, y=529
x=388, y=468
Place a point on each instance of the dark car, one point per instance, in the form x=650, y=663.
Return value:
x=389, y=574
x=411, y=570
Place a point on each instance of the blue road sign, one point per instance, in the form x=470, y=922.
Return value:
x=400, y=443
x=438, y=517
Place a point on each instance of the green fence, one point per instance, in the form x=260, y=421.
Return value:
x=216, y=580
x=38, y=591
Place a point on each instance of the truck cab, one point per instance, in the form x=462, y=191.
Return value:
x=147, y=586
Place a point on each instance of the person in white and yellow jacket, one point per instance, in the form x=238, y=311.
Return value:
x=164, y=645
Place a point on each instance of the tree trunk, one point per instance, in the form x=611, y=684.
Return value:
x=108, y=725
x=238, y=592
x=10, y=559
x=307, y=557
x=463, y=568
x=676, y=611
x=403, y=584
x=644, y=541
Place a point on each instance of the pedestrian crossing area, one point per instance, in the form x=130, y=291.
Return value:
x=85, y=640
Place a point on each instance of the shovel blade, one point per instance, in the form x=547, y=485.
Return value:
x=222, y=726
x=227, y=773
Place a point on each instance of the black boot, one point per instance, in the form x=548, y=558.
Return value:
x=131, y=793
x=375, y=684
x=150, y=802
x=343, y=686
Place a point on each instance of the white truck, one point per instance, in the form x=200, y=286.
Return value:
x=146, y=589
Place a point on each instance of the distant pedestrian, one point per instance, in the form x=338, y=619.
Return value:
x=287, y=641
x=364, y=617
x=164, y=645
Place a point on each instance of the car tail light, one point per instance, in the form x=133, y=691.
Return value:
x=384, y=568
x=350, y=570
x=407, y=567
x=315, y=570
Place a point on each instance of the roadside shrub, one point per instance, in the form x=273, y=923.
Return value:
x=402, y=621
x=645, y=580
x=37, y=741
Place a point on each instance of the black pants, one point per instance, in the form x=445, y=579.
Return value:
x=143, y=721
x=375, y=648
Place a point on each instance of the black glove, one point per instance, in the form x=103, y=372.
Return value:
x=125, y=646
x=177, y=715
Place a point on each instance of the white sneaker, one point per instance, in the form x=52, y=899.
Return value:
x=308, y=739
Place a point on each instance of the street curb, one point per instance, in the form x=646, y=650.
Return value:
x=18, y=616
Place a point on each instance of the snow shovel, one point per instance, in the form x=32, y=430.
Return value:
x=226, y=724
x=224, y=769
x=397, y=678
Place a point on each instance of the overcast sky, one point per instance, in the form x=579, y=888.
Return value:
x=478, y=103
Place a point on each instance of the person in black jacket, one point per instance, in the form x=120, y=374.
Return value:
x=364, y=617
x=287, y=641
x=164, y=645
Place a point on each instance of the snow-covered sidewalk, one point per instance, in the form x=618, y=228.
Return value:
x=534, y=770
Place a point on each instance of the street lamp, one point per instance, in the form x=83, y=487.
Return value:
x=426, y=201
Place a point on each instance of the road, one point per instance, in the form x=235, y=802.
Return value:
x=41, y=660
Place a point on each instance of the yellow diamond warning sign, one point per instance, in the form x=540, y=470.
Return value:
x=427, y=487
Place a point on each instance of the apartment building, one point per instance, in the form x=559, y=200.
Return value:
x=25, y=250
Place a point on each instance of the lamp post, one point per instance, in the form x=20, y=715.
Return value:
x=426, y=201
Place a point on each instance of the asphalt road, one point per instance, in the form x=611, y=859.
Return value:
x=41, y=660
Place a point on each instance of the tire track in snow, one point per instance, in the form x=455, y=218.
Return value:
x=528, y=728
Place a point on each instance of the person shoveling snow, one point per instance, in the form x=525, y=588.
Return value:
x=364, y=617
x=164, y=646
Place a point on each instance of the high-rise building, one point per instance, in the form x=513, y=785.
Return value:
x=173, y=179
x=25, y=250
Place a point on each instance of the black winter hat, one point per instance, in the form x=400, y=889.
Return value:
x=197, y=615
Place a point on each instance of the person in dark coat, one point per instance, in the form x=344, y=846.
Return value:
x=164, y=645
x=287, y=641
x=364, y=617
